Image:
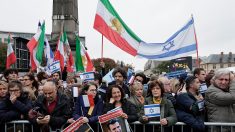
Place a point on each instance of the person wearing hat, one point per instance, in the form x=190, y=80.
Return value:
x=190, y=106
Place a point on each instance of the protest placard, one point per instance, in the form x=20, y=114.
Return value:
x=112, y=121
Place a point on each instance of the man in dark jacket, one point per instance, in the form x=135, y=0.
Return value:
x=119, y=74
x=53, y=109
x=190, y=106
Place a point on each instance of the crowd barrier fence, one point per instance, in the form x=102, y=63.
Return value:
x=14, y=125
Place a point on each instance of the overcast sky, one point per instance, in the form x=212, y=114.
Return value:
x=151, y=20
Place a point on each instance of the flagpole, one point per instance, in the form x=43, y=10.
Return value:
x=102, y=48
x=198, y=65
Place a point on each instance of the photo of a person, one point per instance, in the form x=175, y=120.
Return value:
x=114, y=126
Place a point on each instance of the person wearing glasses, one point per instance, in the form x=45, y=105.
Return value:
x=15, y=104
x=30, y=86
x=90, y=114
x=220, y=98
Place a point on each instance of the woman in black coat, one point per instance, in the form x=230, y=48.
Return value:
x=115, y=98
x=15, y=105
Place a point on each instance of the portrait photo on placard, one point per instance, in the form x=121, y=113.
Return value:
x=115, y=125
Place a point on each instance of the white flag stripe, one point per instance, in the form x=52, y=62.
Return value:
x=86, y=101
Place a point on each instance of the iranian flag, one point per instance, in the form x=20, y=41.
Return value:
x=11, y=58
x=83, y=62
x=68, y=54
x=110, y=24
x=59, y=53
x=36, y=47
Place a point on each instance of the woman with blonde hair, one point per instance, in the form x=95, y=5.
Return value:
x=137, y=97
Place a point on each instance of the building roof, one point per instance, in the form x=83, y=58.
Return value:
x=220, y=58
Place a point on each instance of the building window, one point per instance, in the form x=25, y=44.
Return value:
x=22, y=55
x=6, y=40
x=214, y=66
x=221, y=65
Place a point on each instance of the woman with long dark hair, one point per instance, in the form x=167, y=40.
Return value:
x=116, y=98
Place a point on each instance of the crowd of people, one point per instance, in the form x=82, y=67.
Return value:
x=48, y=102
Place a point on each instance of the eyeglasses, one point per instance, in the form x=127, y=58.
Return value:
x=93, y=90
x=25, y=79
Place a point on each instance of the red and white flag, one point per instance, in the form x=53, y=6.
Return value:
x=110, y=24
x=11, y=58
x=68, y=54
x=59, y=53
x=36, y=47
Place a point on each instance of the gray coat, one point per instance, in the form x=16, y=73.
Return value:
x=220, y=104
x=133, y=99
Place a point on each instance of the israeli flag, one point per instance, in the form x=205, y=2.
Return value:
x=180, y=44
x=203, y=88
x=87, y=76
x=109, y=77
x=130, y=73
x=152, y=110
x=54, y=67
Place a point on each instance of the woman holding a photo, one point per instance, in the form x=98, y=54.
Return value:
x=116, y=98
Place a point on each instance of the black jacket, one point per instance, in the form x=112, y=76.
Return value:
x=59, y=115
x=10, y=112
x=127, y=107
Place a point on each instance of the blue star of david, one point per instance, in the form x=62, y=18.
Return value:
x=151, y=110
x=87, y=76
x=168, y=46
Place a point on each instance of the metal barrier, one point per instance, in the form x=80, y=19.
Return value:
x=211, y=125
